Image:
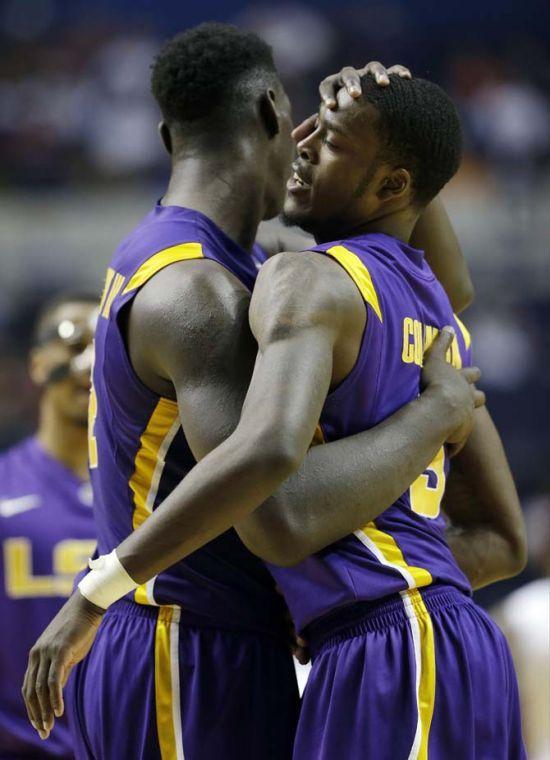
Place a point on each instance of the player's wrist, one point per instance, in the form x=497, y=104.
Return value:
x=441, y=407
x=107, y=581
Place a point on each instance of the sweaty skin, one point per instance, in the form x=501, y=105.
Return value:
x=207, y=369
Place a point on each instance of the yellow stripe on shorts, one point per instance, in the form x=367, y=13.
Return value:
x=167, y=688
x=422, y=631
x=386, y=549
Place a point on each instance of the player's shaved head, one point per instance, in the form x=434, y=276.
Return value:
x=202, y=77
x=388, y=152
x=419, y=129
x=224, y=106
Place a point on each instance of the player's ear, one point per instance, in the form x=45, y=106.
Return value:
x=165, y=136
x=395, y=185
x=269, y=112
x=37, y=367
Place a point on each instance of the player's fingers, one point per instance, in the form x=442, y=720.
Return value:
x=471, y=374
x=351, y=80
x=43, y=694
x=305, y=128
x=55, y=687
x=378, y=71
x=29, y=694
x=479, y=398
x=441, y=344
x=401, y=71
x=328, y=89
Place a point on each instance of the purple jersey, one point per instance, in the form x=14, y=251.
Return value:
x=405, y=547
x=138, y=451
x=46, y=535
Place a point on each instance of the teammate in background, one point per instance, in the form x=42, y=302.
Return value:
x=46, y=525
x=172, y=350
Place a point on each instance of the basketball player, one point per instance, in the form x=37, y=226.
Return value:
x=200, y=662
x=46, y=526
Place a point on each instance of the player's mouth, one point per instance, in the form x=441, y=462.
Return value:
x=297, y=182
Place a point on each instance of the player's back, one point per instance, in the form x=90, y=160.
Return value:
x=405, y=547
x=46, y=535
x=138, y=450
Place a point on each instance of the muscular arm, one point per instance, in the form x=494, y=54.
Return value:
x=487, y=535
x=435, y=235
x=293, y=371
x=291, y=378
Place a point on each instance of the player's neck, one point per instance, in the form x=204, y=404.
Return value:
x=227, y=189
x=64, y=440
x=399, y=224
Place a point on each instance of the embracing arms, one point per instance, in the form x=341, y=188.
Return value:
x=487, y=534
x=206, y=354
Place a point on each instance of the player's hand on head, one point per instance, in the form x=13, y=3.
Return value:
x=66, y=641
x=305, y=128
x=455, y=387
x=350, y=78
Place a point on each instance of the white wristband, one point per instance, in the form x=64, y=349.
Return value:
x=107, y=582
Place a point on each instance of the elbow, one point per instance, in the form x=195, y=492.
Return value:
x=517, y=542
x=278, y=454
x=514, y=556
x=272, y=538
x=464, y=294
x=287, y=554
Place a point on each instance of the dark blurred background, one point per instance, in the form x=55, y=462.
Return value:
x=81, y=163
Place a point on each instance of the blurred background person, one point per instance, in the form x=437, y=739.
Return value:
x=46, y=524
x=80, y=159
x=524, y=616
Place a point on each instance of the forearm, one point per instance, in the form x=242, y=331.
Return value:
x=483, y=555
x=434, y=234
x=220, y=490
x=486, y=534
x=343, y=485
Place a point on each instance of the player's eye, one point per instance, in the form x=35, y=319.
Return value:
x=329, y=144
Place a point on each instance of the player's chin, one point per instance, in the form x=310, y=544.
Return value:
x=295, y=213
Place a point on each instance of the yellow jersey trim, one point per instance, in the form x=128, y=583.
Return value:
x=465, y=333
x=359, y=274
x=181, y=252
x=116, y=284
x=387, y=551
x=149, y=463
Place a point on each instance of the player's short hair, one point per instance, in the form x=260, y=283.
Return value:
x=43, y=322
x=203, y=69
x=420, y=128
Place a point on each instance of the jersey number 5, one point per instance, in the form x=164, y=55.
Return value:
x=427, y=490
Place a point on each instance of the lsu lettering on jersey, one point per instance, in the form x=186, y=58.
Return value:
x=138, y=451
x=404, y=548
x=46, y=536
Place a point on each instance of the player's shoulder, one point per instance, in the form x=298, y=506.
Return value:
x=188, y=311
x=192, y=288
x=302, y=290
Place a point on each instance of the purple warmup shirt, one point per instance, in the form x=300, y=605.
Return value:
x=46, y=535
x=405, y=547
x=138, y=451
